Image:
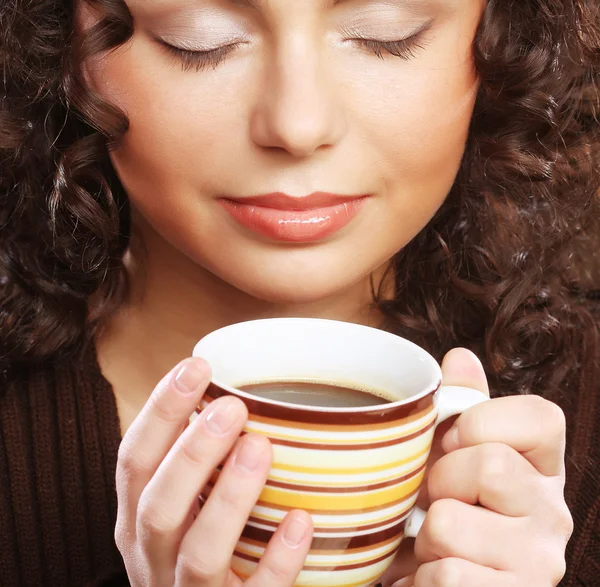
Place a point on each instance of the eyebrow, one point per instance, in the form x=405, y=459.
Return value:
x=258, y=3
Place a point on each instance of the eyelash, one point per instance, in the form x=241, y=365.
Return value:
x=199, y=60
x=403, y=48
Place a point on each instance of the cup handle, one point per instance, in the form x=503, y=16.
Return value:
x=451, y=401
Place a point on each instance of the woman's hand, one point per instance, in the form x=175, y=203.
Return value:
x=162, y=467
x=497, y=517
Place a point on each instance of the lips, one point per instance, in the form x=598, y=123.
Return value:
x=294, y=219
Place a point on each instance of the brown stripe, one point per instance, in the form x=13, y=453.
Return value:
x=354, y=489
x=318, y=530
x=330, y=427
x=364, y=445
x=330, y=552
x=349, y=567
x=333, y=543
x=294, y=413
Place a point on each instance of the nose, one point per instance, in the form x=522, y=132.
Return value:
x=297, y=111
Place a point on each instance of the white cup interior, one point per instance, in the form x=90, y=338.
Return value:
x=313, y=349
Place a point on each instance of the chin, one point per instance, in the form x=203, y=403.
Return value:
x=297, y=292
x=281, y=288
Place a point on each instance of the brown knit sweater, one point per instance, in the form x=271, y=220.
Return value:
x=59, y=435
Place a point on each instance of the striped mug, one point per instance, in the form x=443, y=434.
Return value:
x=356, y=470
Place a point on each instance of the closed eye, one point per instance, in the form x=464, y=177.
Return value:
x=405, y=48
x=198, y=60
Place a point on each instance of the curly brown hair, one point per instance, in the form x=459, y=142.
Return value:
x=504, y=267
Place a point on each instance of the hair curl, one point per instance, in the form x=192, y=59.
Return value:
x=503, y=268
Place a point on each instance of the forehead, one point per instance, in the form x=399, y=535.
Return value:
x=265, y=4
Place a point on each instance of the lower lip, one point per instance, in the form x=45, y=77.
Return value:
x=294, y=225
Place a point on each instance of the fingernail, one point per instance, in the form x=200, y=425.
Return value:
x=295, y=531
x=189, y=378
x=249, y=456
x=221, y=417
x=451, y=440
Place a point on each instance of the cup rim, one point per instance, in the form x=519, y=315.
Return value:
x=415, y=397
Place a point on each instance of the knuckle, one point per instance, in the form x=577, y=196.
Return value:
x=165, y=410
x=153, y=520
x=275, y=573
x=192, y=452
x=131, y=462
x=556, y=419
x=440, y=524
x=551, y=415
x=194, y=568
x=443, y=573
x=554, y=562
x=558, y=569
x=121, y=536
x=563, y=523
x=496, y=464
x=227, y=496
x=470, y=428
x=566, y=522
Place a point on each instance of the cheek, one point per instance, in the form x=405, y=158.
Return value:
x=175, y=122
x=420, y=128
x=426, y=137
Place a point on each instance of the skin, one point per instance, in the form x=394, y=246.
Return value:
x=297, y=107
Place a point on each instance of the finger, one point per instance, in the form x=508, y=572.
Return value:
x=285, y=555
x=459, y=367
x=152, y=434
x=455, y=572
x=458, y=530
x=406, y=582
x=453, y=529
x=495, y=476
x=462, y=367
x=530, y=424
x=166, y=502
x=207, y=548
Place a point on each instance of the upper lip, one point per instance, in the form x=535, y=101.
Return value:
x=281, y=201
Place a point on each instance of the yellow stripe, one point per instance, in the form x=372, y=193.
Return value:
x=349, y=471
x=317, y=482
x=329, y=441
x=339, y=502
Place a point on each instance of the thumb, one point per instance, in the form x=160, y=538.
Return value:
x=462, y=367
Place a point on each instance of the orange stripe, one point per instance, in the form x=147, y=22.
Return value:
x=344, y=484
x=325, y=566
x=356, y=444
x=410, y=432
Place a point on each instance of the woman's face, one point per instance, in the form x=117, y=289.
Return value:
x=306, y=97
